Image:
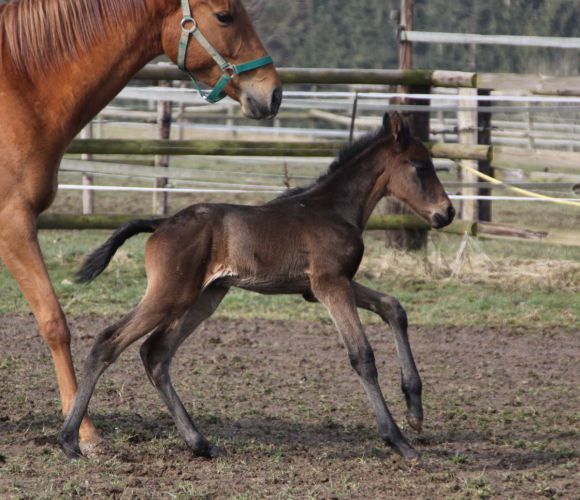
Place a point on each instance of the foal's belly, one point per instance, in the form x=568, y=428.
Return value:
x=268, y=286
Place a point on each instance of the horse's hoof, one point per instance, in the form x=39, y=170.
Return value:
x=415, y=422
x=70, y=447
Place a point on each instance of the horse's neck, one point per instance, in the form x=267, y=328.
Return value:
x=354, y=190
x=74, y=93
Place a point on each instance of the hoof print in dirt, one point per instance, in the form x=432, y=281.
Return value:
x=95, y=449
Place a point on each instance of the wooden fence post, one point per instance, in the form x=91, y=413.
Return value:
x=88, y=179
x=467, y=134
x=160, y=202
x=181, y=116
x=474, y=128
x=408, y=239
x=484, y=137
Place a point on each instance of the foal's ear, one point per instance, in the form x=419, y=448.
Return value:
x=397, y=127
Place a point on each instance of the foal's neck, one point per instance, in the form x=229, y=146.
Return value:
x=356, y=187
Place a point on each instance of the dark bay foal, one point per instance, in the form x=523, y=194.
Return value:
x=307, y=241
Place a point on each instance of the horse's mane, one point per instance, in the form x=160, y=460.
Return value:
x=344, y=157
x=41, y=34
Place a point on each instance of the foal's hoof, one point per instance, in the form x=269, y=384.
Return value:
x=409, y=454
x=415, y=422
x=209, y=451
x=70, y=447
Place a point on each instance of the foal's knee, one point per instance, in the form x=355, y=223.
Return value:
x=363, y=363
x=393, y=312
x=55, y=332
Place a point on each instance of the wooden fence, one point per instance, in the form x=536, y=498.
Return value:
x=534, y=83
x=498, y=156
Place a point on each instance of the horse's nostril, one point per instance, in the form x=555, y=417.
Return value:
x=276, y=100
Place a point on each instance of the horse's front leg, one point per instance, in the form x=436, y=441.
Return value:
x=338, y=297
x=391, y=311
x=20, y=251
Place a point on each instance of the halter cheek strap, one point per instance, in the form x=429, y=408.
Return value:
x=188, y=29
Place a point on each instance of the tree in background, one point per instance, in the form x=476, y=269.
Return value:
x=358, y=33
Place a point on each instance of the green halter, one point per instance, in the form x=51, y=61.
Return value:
x=228, y=70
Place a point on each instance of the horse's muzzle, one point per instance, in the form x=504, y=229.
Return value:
x=261, y=106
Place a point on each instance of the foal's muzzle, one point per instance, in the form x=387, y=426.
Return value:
x=440, y=220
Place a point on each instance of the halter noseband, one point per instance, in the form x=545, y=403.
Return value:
x=189, y=28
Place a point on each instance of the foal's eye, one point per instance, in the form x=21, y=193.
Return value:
x=224, y=17
x=419, y=165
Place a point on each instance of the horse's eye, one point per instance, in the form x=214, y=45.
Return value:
x=225, y=17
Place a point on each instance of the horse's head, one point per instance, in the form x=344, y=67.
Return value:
x=412, y=177
x=230, y=40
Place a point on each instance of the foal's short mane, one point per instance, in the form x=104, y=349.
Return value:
x=43, y=33
x=344, y=157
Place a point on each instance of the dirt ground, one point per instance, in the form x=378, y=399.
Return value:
x=501, y=416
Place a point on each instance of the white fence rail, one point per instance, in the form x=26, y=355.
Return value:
x=473, y=38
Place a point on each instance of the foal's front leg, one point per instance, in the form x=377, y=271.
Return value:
x=338, y=297
x=391, y=311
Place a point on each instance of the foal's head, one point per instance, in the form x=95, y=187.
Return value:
x=412, y=177
x=227, y=27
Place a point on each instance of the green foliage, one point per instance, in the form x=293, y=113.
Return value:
x=334, y=33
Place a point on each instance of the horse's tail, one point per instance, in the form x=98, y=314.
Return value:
x=96, y=263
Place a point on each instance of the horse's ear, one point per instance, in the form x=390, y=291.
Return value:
x=395, y=125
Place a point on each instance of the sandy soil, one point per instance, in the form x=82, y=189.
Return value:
x=280, y=397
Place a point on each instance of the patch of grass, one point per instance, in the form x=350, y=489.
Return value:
x=459, y=459
x=422, y=283
x=479, y=487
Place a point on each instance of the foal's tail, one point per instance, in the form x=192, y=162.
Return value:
x=96, y=263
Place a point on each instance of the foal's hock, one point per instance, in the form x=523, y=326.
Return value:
x=194, y=257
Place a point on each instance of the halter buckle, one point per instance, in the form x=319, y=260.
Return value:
x=230, y=70
x=188, y=20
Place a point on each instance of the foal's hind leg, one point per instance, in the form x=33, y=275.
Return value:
x=338, y=297
x=391, y=311
x=20, y=251
x=157, y=353
x=109, y=344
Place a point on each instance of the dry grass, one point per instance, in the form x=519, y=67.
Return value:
x=467, y=262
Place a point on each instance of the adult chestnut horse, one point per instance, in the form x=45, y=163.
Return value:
x=60, y=64
x=194, y=257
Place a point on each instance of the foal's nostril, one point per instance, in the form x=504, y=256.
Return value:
x=438, y=221
x=450, y=213
x=276, y=100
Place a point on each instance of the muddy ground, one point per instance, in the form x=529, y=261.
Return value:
x=501, y=416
